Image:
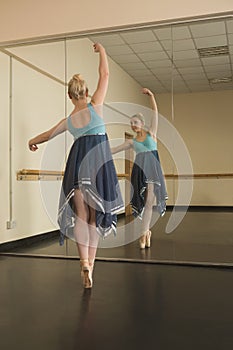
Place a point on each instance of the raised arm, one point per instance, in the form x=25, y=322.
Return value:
x=99, y=95
x=47, y=135
x=124, y=146
x=154, y=119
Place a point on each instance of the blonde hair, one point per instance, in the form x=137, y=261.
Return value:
x=140, y=116
x=77, y=87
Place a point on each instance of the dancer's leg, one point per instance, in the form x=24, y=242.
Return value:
x=86, y=236
x=93, y=239
x=81, y=231
x=147, y=215
x=93, y=235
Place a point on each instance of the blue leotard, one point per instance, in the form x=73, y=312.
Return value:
x=94, y=127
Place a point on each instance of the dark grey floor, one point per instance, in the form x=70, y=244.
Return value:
x=131, y=306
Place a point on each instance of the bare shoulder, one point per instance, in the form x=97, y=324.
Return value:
x=97, y=107
x=152, y=135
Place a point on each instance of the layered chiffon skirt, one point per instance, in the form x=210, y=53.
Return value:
x=90, y=168
x=147, y=169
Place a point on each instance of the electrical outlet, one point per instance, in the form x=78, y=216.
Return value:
x=11, y=224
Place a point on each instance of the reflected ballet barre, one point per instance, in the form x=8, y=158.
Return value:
x=46, y=175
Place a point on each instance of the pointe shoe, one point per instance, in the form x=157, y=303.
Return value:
x=86, y=273
x=87, y=277
x=148, y=237
x=142, y=242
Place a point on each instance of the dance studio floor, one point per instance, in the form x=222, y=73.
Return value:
x=175, y=295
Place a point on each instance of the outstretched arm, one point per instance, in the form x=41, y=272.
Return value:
x=47, y=135
x=154, y=119
x=101, y=90
x=124, y=146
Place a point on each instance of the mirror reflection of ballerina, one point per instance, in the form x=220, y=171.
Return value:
x=147, y=180
x=90, y=196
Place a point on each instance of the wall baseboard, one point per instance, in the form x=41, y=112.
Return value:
x=28, y=241
x=203, y=208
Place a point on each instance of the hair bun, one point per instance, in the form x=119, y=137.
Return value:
x=77, y=77
x=77, y=87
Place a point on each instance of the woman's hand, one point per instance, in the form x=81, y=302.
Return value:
x=98, y=47
x=33, y=147
x=147, y=92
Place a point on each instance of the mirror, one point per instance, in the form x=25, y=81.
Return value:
x=189, y=67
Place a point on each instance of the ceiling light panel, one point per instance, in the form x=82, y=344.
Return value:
x=213, y=51
x=222, y=86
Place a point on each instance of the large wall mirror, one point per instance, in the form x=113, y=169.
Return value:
x=189, y=68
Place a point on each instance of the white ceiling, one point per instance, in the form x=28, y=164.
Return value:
x=157, y=56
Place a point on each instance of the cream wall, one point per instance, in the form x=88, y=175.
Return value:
x=39, y=102
x=4, y=140
x=28, y=19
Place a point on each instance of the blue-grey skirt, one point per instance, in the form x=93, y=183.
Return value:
x=147, y=169
x=90, y=168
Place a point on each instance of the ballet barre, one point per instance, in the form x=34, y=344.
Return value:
x=199, y=176
x=46, y=175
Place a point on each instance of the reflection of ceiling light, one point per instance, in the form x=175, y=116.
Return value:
x=213, y=51
x=220, y=80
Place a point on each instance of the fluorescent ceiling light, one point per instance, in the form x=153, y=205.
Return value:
x=213, y=51
x=220, y=80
